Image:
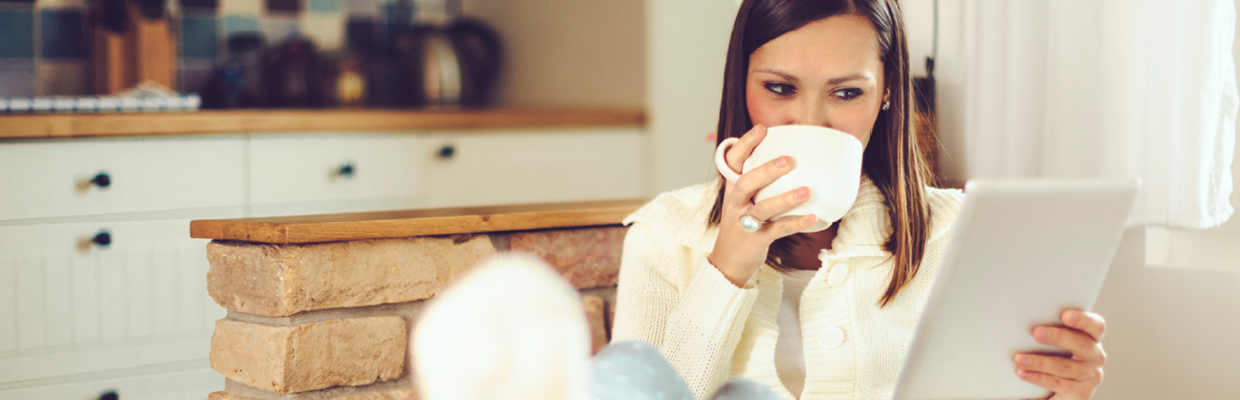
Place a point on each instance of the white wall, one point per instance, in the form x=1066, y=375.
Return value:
x=919, y=28
x=686, y=43
x=1171, y=334
x=568, y=53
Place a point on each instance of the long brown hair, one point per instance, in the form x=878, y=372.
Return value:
x=892, y=159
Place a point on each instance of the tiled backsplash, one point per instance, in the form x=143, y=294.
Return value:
x=44, y=47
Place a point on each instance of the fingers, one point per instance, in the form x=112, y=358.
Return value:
x=1090, y=323
x=1069, y=378
x=1081, y=345
x=742, y=149
x=769, y=208
x=750, y=182
x=1065, y=389
x=1065, y=368
x=788, y=227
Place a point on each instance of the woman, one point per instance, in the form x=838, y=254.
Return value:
x=818, y=315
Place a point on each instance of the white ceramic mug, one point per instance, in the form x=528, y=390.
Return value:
x=825, y=160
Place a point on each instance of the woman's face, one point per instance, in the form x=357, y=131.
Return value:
x=827, y=73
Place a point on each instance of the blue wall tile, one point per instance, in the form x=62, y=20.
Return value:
x=323, y=6
x=362, y=9
x=277, y=29
x=16, y=34
x=198, y=37
x=395, y=14
x=64, y=33
x=18, y=78
x=237, y=23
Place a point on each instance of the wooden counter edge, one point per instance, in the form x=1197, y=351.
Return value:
x=312, y=229
x=68, y=126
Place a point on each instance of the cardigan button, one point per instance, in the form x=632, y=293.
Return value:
x=837, y=275
x=831, y=338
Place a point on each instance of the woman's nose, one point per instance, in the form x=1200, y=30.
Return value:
x=814, y=113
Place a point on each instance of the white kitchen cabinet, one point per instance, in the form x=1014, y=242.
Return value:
x=332, y=173
x=71, y=306
x=536, y=166
x=53, y=179
x=192, y=380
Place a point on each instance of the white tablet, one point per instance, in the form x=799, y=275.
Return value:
x=1020, y=252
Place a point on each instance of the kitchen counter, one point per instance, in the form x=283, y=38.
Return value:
x=65, y=126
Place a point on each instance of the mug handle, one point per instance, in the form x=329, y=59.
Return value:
x=721, y=163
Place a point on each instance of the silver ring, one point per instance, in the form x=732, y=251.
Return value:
x=749, y=223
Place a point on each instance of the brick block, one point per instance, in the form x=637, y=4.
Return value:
x=299, y=358
x=594, y=307
x=587, y=258
x=282, y=280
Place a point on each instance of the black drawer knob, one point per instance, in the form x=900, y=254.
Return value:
x=347, y=170
x=109, y=395
x=101, y=180
x=102, y=239
x=447, y=152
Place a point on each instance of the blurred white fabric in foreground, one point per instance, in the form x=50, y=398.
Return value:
x=510, y=329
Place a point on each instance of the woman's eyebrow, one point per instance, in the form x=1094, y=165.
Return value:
x=833, y=81
x=781, y=74
x=854, y=77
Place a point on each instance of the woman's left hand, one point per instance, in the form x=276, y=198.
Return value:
x=1073, y=378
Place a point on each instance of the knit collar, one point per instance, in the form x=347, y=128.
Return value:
x=865, y=227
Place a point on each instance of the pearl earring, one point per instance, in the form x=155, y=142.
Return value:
x=886, y=105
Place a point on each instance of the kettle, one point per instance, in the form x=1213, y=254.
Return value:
x=445, y=66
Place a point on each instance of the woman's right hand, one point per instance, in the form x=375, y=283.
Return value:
x=739, y=254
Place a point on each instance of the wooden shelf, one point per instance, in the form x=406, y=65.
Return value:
x=410, y=223
x=64, y=126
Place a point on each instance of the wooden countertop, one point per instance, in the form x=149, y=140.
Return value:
x=64, y=126
x=409, y=223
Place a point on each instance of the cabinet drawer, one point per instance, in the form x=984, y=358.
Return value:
x=71, y=305
x=518, y=167
x=318, y=168
x=192, y=381
x=54, y=179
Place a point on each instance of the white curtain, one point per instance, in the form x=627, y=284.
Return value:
x=1096, y=88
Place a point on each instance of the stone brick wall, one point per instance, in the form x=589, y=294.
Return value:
x=332, y=320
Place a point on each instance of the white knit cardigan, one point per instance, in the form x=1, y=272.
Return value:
x=710, y=330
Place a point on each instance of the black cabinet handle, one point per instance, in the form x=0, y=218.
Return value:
x=101, y=180
x=109, y=395
x=447, y=152
x=347, y=170
x=102, y=239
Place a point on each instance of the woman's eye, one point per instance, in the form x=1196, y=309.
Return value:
x=781, y=89
x=848, y=94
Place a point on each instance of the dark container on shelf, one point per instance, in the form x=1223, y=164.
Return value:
x=293, y=75
x=237, y=83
